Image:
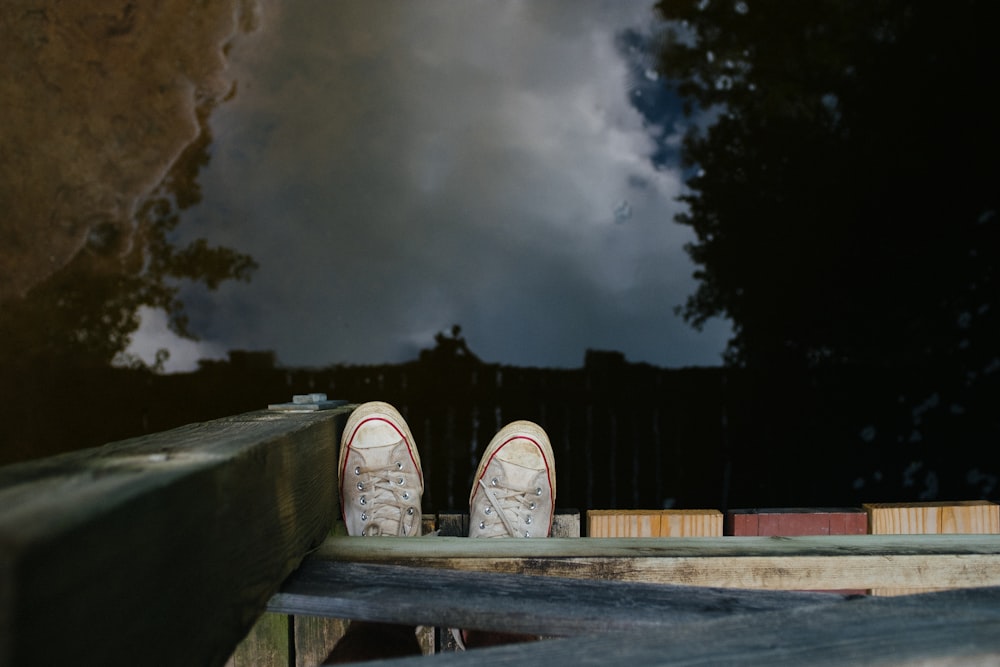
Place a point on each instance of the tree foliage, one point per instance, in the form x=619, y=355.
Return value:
x=845, y=196
x=85, y=314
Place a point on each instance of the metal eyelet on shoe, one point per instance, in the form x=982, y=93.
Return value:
x=488, y=510
x=538, y=491
x=532, y=505
x=482, y=524
x=406, y=495
x=527, y=534
x=357, y=470
x=527, y=519
x=495, y=481
x=409, y=510
x=400, y=481
x=364, y=516
x=363, y=500
x=361, y=486
x=399, y=466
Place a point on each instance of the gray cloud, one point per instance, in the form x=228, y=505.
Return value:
x=396, y=168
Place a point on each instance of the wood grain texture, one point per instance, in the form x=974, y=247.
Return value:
x=654, y=523
x=777, y=563
x=266, y=645
x=512, y=603
x=797, y=521
x=315, y=637
x=966, y=517
x=930, y=518
x=164, y=547
x=564, y=524
x=959, y=627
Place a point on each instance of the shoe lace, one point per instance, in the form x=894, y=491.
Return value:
x=508, y=501
x=387, y=496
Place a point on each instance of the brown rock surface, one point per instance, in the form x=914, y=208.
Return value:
x=99, y=99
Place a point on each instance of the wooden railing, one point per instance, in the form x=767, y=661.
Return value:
x=167, y=550
x=163, y=549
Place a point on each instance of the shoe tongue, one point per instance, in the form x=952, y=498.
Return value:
x=518, y=477
x=382, y=456
x=375, y=434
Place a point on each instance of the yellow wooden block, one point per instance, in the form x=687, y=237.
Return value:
x=654, y=523
x=623, y=523
x=967, y=517
x=691, y=523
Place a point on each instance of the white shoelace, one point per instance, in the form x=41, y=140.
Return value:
x=508, y=501
x=385, y=493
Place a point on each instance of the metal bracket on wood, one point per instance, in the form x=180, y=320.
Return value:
x=307, y=403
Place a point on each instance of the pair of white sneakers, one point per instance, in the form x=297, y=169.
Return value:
x=381, y=483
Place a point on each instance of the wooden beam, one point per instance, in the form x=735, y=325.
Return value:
x=960, y=627
x=931, y=518
x=161, y=549
x=512, y=603
x=797, y=521
x=775, y=563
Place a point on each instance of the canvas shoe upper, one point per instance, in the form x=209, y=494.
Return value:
x=514, y=490
x=381, y=483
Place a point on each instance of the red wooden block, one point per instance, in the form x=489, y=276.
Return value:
x=794, y=521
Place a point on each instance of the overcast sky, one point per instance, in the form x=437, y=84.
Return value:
x=399, y=167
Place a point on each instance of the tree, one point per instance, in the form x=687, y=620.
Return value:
x=845, y=197
x=85, y=314
x=449, y=349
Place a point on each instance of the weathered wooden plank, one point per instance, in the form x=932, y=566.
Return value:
x=777, y=563
x=565, y=523
x=267, y=645
x=163, y=548
x=960, y=627
x=315, y=637
x=930, y=518
x=511, y=603
x=797, y=521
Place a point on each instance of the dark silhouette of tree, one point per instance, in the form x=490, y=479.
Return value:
x=449, y=349
x=843, y=173
x=85, y=314
x=845, y=198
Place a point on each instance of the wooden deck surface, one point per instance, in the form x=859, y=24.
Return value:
x=513, y=603
x=603, y=609
x=834, y=562
x=960, y=627
x=165, y=550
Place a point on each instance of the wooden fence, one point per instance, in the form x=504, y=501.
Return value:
x=625, y=435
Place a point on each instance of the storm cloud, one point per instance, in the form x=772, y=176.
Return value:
x=396, y=168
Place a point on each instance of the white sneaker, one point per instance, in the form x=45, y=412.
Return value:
x=381, y=484
x=514, y=490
